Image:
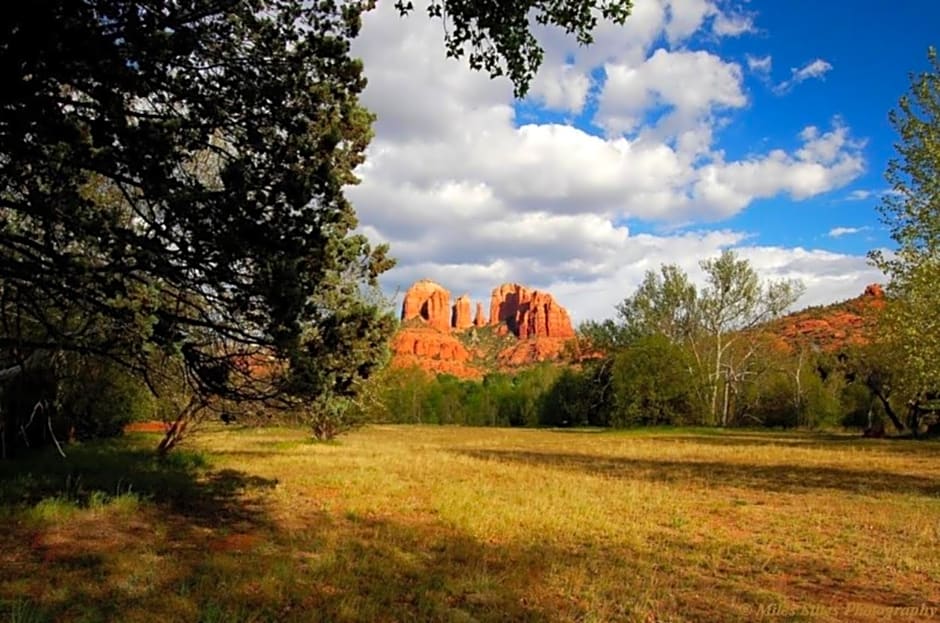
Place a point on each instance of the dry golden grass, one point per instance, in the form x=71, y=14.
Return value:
x=397, y=523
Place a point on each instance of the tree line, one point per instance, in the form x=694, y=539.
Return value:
x=676, y=355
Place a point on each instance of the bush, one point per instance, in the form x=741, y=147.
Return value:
x=71, y=397
x=653, y=385
x=100, y=398
x=771, y=401
x=568, y=402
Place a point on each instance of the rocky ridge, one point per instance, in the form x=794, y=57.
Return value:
x=832, y=327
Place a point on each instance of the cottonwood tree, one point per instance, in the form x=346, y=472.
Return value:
x=172, y=183
x=665, y=303
x=732, y=305
x=717, y=323
x=912, y=212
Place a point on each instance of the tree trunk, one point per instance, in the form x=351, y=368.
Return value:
x=914, y=417
x=175, y=433
x=715, y=378
x=889, y=411
x=724, y=407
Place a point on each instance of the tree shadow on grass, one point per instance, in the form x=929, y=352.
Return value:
x=181, y=482
x=350, y=568
x=822, y=441
x=762, y=477
x=363, y=568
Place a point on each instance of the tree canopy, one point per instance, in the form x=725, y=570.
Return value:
x=912, y=212
x=497, y=36
x=172, y=183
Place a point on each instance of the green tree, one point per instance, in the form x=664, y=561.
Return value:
x=652, y=384
x=732, y=305
x=912, y=212
x=717, y=324
x=665, y=303
x=607, y=336
x=878, y=368
x=172, y=182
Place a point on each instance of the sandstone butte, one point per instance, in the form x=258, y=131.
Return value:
x=529, y=313
x=537, y=326
x=460, y=319
x=479, y=320
x=428, y=301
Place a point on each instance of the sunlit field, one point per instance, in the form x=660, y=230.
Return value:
x=459, y=524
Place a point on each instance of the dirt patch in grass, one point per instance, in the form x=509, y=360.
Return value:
x=146, y=427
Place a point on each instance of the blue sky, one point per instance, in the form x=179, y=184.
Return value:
x=872, y=46
x=701, y=125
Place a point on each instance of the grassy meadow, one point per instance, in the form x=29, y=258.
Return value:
x=409, y=523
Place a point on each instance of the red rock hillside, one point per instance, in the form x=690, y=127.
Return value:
x=835, y=326
x=525, y=326
x=434, y=351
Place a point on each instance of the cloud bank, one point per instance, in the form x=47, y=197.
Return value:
x=471, y=194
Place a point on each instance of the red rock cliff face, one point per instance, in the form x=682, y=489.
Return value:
x=430, y=302
x=432, y=351
x=543, y=317
x=529, y=313
x=504, y=302
x=461, y=316
x=479, y=320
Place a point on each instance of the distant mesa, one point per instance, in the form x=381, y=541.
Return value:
x=525, y=312
x=430, y=326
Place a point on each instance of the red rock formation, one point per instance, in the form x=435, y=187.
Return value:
x=432, y=351
x=461, y=316
x=529, y=313
x=832, y=327
x=479, y=320
x=428, y=301
x=543, y=317
x=504, y=303
x=530, y=326
x=532, y=350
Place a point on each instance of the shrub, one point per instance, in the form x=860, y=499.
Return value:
x=653, y=383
